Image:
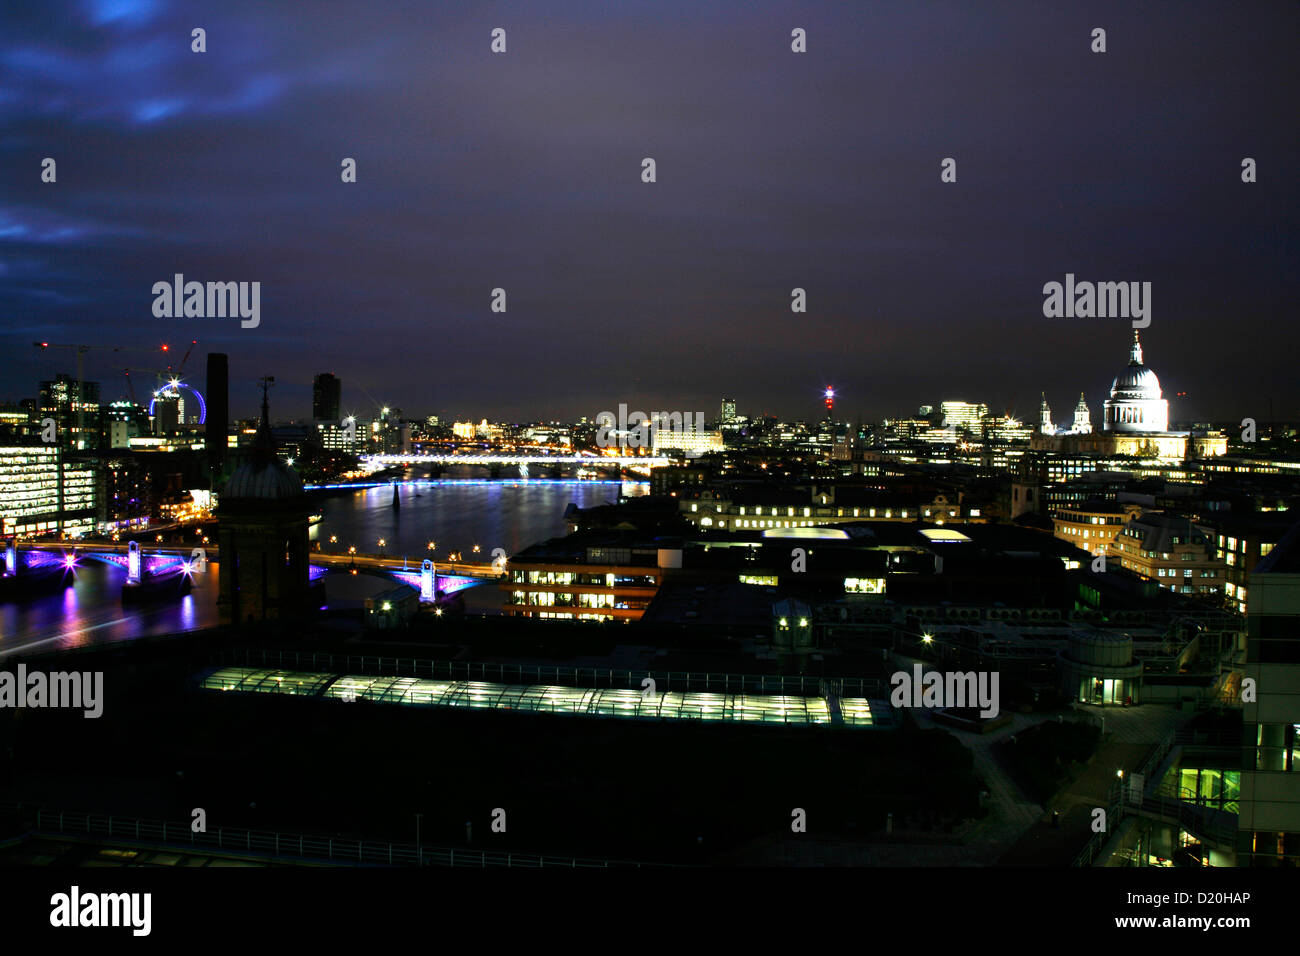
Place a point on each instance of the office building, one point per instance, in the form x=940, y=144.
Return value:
x=45, y=491
x=1268, y=831
x=75, y=409
x=965, y=415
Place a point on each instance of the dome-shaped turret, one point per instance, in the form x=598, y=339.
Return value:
x=1136, y=382
x=265, y=476
x=264, y=479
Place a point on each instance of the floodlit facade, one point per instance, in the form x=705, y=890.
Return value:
x=686, y=441
x=592, y=583
x=1092, y=525
x=42, y=491
x=1173, y=552
x=966, y=415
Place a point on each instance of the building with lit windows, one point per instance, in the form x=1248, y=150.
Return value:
x=1244, y=541
x=1268, y=831
x=75, y=412
x=1092, y=525
x=965, y=415
x=44, y=490
x=685, y=442
x=589, y=577
x=1172, y=551
x=820, y=506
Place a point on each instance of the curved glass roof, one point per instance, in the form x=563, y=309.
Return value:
x=555, y=699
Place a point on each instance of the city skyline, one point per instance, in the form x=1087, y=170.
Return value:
x=369, y=406
x=477, y=172
x=594, y=435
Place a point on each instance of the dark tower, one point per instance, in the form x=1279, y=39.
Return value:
x=217, y=426
x=262, y=532
x=326, y=396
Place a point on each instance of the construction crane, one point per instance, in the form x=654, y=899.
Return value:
x=81, y=351
x=130, y=385
x=180, y=369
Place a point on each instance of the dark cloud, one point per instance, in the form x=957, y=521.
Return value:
x=775, y=170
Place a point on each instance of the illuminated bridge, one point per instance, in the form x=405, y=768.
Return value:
x=521, y=461
x=161, y=563
x=787, y=711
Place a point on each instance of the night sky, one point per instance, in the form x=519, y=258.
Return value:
x=775, y=170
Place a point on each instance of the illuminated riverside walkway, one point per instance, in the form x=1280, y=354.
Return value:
x=857, y=712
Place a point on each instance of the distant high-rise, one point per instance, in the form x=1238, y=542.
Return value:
x=74, y=407
x=326, y=393
x=968, y=415
x=217, y=425
x=728, y=410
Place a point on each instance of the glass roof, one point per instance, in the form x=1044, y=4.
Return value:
x=554, y=699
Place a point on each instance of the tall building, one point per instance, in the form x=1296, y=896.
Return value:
x=44, y=491
x=326, y=394
x=1268, y=822
x=1045, y=417
x=217, y=427
x=75, y=412
x=967, y=415
x=168, y=413
x=728, y=410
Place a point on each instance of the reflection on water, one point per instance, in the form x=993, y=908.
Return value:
x=454, y=515
x=91, y=611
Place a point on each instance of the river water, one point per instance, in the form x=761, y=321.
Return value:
x=454, y=514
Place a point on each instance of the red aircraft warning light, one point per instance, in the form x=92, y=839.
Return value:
x=830, y=399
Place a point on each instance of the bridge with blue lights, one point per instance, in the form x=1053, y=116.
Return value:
x=160, y=565
x=522, y=462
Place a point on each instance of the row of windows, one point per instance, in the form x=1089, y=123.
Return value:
x=1232, y=544
x=570, y=578
x=551, y=599
x=1092, y=519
